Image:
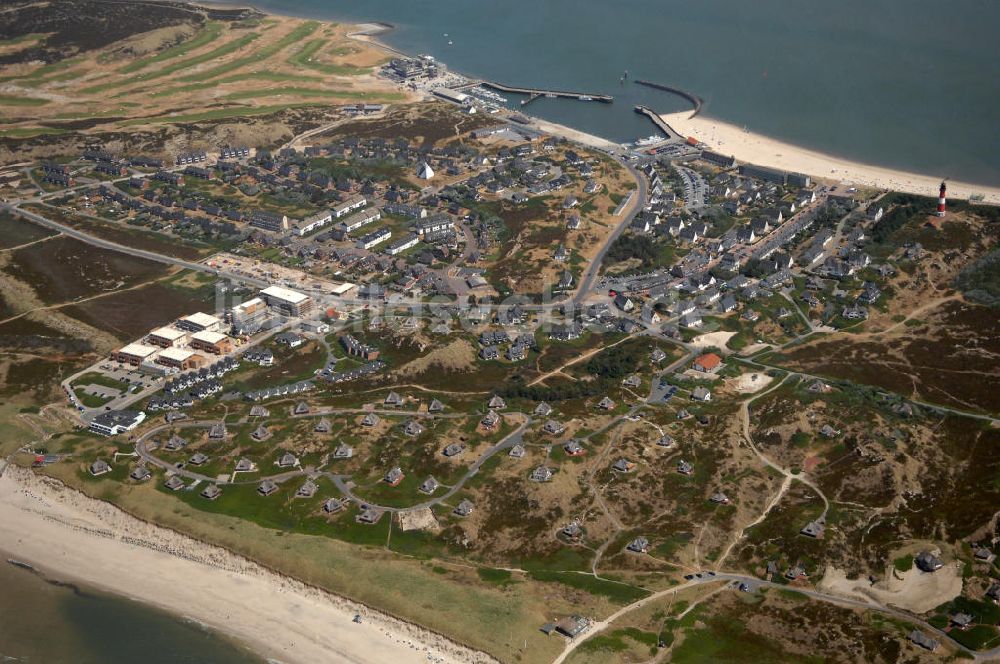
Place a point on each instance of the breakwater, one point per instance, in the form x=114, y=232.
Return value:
x=696, y=101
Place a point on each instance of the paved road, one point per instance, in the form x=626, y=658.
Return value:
x=929, y=406
x=143, y=449
x=638, y=201
x=736, y=579
x=132, y=251
x=505, y=443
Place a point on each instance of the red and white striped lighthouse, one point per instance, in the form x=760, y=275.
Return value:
x=941, y=200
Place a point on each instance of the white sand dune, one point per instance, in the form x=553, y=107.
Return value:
x=765, y=151
x=69, y=536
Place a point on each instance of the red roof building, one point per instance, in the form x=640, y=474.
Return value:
x=707, y=363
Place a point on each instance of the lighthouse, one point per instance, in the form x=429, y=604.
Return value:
x=941, y=200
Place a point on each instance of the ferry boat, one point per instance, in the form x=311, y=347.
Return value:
x=652, y=139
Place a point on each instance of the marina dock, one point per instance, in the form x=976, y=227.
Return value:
x=695, y=100
x=658, y=121
x=535, y=93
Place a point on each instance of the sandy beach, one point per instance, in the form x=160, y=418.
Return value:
x=764, y=151
x=68, y=536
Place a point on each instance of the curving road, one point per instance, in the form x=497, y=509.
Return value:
x=144, y=451
x=594, y=268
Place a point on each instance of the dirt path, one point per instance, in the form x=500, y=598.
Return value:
x=53, y=307
x=744, y=415
x=28, y=244
x=577, y=360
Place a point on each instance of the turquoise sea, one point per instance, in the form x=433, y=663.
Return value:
x=910, y=84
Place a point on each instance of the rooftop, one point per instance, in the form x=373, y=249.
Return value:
x=201, y=319
x=279, y=293
x=176, y=354
x=139, y=350
x=208, y=337
x=171, y=333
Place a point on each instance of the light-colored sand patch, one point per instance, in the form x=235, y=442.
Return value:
x=913, y=590
x=456, y=356
x=418, y=520
x=749, y=383
x=753, y=348
x=765, y=151
x=67, y=535
x=712, y=339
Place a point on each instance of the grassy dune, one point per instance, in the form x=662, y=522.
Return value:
x=258, y=56
x=206, y=35
x=304, y=59
x=16, y=100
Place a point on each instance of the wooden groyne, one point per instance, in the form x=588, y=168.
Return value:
x=535, y=93
x=695, y=100
x=658, y=121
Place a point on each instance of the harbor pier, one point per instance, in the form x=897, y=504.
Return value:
x=535, y=93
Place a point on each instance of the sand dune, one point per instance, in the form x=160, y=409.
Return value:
x=69, y=536
x=764, y=151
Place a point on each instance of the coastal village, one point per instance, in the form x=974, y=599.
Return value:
x=646, y=381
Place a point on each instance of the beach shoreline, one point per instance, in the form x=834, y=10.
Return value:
x=69, y=536
x=761, y=150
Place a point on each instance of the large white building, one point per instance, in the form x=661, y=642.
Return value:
x=166, y=337
x=374, y=238
x=350, y=205
x=134, y=354
x=114, y=422
x=288, y=302
x=310, y=224
x=249, y=315
x=356, y=221
x=180, y=358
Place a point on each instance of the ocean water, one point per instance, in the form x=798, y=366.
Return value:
x=42, y=623
x=912, y=84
